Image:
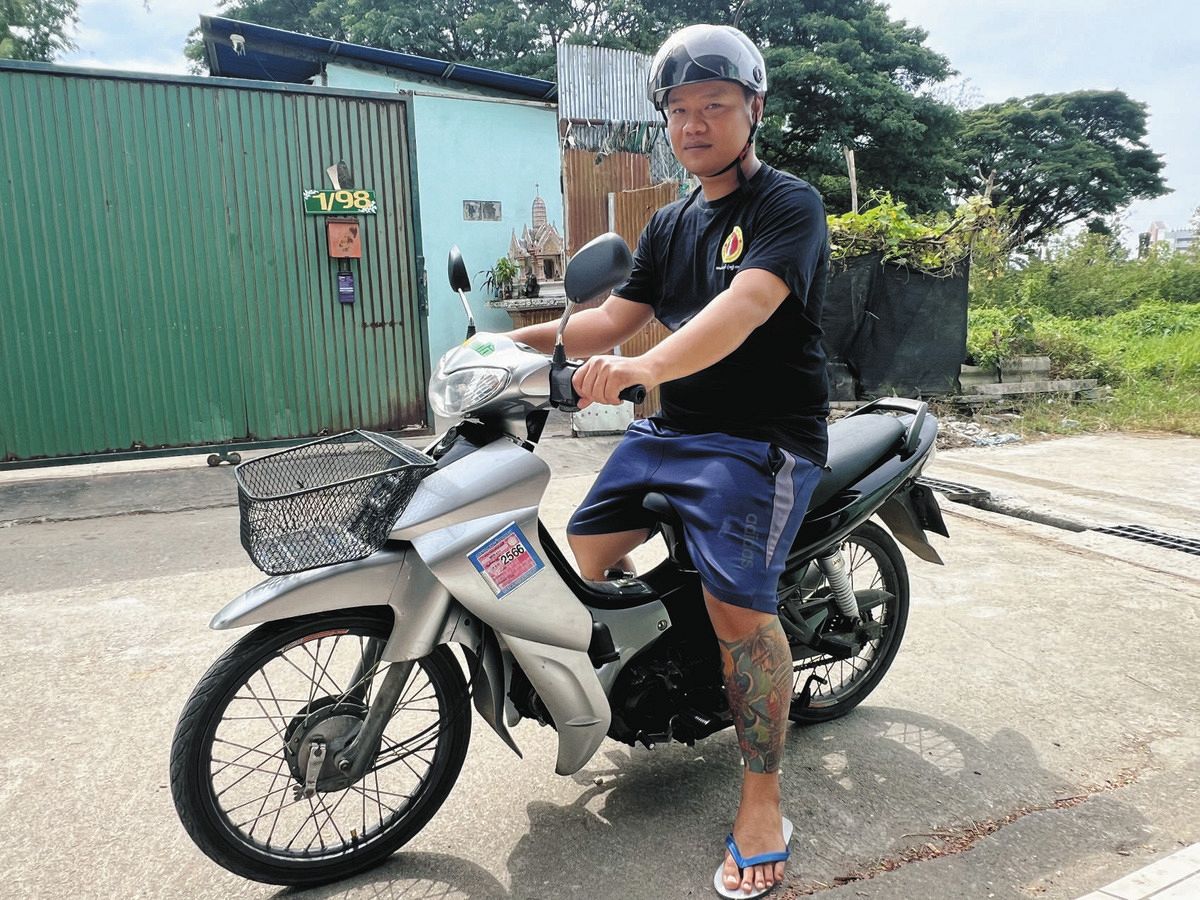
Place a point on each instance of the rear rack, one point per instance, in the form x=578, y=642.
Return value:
x=918, y=410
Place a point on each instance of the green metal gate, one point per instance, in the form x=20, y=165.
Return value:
x=160, y=283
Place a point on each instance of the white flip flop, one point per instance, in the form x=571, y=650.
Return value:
x=743, y=864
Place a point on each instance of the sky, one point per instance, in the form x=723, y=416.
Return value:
x=1000, y=48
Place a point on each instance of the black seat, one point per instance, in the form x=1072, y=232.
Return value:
x=672, y=529
x=856, y=443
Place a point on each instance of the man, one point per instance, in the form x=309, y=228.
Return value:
x=737, y=272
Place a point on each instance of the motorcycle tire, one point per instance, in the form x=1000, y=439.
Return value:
x=873, y=561
x=257, y=688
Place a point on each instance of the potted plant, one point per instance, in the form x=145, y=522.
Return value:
x=499, y=278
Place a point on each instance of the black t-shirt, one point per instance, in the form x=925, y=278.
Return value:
x=773, y=387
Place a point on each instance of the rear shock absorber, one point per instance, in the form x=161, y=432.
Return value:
x=834, y=569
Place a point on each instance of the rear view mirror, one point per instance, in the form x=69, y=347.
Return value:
x=600, y=265
x=457, y=270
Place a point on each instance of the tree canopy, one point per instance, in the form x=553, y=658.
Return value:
x=36, y=29
x=1057, y=159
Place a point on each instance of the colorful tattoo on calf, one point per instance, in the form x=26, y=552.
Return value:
x=758, y=683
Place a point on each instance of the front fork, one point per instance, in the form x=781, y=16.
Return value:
x=351, y=762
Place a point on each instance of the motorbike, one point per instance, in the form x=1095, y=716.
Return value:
x=327, y=737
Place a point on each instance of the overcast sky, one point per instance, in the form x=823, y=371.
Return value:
x=1003, y=48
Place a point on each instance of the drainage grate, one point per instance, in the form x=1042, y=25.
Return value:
x=1149, y=536
x=959, y=493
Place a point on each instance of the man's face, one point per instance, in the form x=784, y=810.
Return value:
x=709, y=123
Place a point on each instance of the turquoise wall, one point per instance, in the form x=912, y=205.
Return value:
x=470, y=149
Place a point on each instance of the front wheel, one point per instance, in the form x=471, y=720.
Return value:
x=874, y=563
x=240, y=753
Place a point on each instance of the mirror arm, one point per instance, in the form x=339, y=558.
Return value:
x=470, y=318
x=560, y=353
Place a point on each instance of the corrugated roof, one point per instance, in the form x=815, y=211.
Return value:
x=278, y=55
x=603, y=85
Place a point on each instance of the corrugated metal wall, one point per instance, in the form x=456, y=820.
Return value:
x=587, y=184
x=597, y=83
x=161, y=285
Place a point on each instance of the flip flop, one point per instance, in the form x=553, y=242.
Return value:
x=743, y=863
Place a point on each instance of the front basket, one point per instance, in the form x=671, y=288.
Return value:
x=329, y=501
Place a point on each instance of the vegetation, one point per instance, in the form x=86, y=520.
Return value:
x=499, y=278
x=36, y=29
x=936, y=244
x=1133, y=324
x=1058, y=159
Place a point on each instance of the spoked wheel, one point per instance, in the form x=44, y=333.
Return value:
x=874, y=563
x=244, y=746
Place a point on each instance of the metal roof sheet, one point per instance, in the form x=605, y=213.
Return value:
x=279, y=55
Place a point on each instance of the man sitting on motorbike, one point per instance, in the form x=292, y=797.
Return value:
x=737, y=272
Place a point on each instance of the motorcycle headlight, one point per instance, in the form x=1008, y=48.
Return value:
x=457, y=393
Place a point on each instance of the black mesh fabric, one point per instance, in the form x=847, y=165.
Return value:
x=898, y=332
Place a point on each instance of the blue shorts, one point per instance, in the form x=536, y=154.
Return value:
x=741, y=502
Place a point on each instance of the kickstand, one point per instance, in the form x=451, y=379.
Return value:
x=805, y=698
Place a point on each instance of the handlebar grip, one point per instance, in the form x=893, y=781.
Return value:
x=635, y=393
x=562, y=392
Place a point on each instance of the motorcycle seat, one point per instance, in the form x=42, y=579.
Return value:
x=856, y=443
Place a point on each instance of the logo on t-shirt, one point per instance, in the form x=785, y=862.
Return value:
x=731, y=250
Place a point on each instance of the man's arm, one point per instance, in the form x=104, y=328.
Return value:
x=590, y=331
x=716, y=331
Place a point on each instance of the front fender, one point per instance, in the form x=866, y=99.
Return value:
x=365, y=582
x=395, y=577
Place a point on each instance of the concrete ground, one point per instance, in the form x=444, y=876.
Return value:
x=1037, y=736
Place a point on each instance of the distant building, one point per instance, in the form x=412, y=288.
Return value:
x=1177, y=240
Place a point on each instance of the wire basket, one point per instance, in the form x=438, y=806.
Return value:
x=329, y=501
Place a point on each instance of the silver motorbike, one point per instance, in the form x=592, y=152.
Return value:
x=327, y=737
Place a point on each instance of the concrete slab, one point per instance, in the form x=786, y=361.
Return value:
x=1107, y=479
x=1177, y=876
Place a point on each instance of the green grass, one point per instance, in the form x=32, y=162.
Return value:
x=1134, y=325
x=1139, y=406
x=1154, y=377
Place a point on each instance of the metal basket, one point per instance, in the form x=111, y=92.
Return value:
x=328, y=501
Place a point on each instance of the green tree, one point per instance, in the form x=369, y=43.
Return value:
x=36, y=29
x=1059, y=158
x=842, y=73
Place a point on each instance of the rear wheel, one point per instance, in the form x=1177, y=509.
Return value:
x=874, y=563
x=243, y=746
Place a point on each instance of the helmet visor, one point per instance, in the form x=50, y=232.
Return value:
x=703, y=55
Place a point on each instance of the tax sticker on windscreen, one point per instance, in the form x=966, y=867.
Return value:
x=506, y=561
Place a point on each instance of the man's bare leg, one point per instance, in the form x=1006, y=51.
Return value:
x=597, y=552
x=757, y=664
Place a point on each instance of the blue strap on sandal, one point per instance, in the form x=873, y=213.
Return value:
x=745, y=862
x=761, y=859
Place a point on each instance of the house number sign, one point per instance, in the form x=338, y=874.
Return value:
x=324, y=203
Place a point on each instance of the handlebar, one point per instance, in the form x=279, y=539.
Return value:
x=564, y=396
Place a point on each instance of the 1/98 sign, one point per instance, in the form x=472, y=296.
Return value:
x=340, y=202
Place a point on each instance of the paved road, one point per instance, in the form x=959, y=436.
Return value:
x=1042, y=716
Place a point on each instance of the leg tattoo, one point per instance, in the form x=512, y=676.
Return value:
x=758, y=683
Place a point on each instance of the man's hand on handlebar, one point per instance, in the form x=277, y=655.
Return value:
x=602, y=378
